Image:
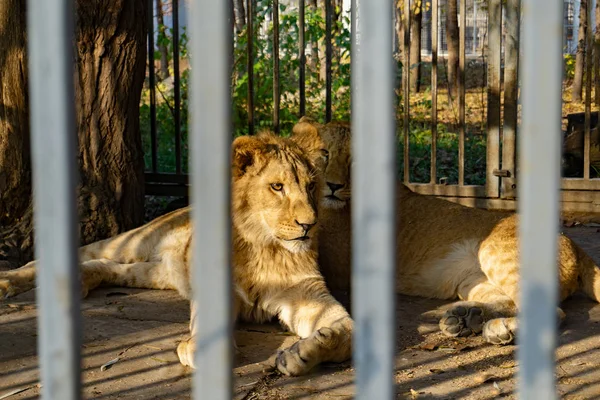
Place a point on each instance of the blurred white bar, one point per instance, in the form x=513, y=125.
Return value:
x=53, y=145
x=373, y=214
x=211, y=176
x=539, y=177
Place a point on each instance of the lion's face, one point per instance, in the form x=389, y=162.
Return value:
x=336, y=149
x=274, y=191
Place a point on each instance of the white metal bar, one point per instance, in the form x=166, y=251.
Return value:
x=539, y=173
x=373, y=195
x=53, y=144
x=211, y=146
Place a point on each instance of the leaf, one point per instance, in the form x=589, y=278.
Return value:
x=109, y=364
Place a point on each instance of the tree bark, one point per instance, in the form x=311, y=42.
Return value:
x=162, y=46
x=415, y=46
x=15, y=162
x=111, y=59
x=597, y=54
x=239, y=13
x=452, y=41
x=110, y=65
x=577, y=88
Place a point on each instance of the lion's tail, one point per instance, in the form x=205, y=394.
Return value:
x=589, y=275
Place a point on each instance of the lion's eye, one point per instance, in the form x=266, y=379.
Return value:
x=311, y=186
x=325, y=154
x=277, y=186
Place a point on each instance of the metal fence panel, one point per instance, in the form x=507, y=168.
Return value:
x=50, y=30
x=373, y=203
x=211, y=144
x=539, y=163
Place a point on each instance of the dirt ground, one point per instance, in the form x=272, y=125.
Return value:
x=143, y=327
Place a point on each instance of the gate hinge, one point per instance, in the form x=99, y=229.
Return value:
x=502, y=173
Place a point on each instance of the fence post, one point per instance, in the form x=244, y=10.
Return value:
x=373, y=193
x=53, y=144
x=539, y=174
x=211, y=146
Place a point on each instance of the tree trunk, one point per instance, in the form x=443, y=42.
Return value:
x=111, y=59
x=597, y=55
x=313, y=60
x=110, y=65
x=162, y=45
x=415, y=46
x=577, y=88
x=239, y=13
x=336, y=27
x=452, y=40
x=15, y=162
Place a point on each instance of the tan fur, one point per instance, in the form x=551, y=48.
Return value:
x=444, y=250
x=275, y=274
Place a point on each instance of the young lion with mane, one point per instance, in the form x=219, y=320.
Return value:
x=443, y=250
x=275, y=191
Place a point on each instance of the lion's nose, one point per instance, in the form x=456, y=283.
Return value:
x=306, y=227
x=334, y=186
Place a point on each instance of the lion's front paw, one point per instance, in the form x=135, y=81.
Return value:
x=463, y=319
x=293, y=361
x=500, y=331
x=7, y=289
x=185, y=351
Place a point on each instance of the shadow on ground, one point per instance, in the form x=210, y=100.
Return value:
x=142, y=329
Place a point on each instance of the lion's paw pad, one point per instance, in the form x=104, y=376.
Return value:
x=462, y=320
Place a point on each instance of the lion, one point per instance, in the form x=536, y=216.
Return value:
x=443, y=250
x=274, y=199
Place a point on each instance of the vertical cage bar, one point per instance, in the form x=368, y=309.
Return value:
x=434, y=76
x=53, y=145
x=539, y=174
x=176, y=87
x=373, y=210
x=511, y=95
x=328, y=51
x=152, y=84
x=302, y=57
x=461, y=91
x=589, y=69
x=250, y=63
x=492, y=187
x=211, y=147
x=406, y=91
x=276, y=96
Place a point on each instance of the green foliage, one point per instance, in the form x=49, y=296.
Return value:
x=420, y=135
x=289, y=71
x=569, y=60
x=447, y=155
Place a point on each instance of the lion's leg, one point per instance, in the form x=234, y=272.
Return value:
x=17, y=280
x=187, y=347
x=485, y=309
x=147, y=275
x=325, y=327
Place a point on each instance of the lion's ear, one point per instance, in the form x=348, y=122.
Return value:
x=245, y=150
x=306, y=135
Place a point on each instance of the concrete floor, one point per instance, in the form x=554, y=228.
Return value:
x=143, y=327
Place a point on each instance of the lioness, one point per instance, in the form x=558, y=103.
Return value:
x=444, y=250
x=275, y=191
